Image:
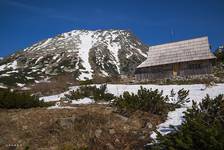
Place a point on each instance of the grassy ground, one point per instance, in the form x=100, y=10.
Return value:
x=83, y=127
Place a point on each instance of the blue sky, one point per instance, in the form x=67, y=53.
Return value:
x=24, y=22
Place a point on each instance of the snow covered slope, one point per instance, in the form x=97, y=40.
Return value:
x=175, y=117
x=195, y=93
x=84, y=53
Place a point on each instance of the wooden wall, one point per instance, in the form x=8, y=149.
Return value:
x=195, y=68
x=166, y=71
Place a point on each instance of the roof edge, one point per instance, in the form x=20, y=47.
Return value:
x=179, y=41
x=176, y=62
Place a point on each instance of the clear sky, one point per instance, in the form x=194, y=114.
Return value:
x=24, y=22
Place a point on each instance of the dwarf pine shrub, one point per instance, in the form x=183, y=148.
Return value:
x=146, y=100
x=98, y=94
x=202, y=129
x=13, y=100
x=182, y=97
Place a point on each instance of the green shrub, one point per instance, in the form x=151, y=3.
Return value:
x=98, y=94
x=202, y=129
x=182, y=97
x=86, y=82
x=219, y=53
x=10, y=100
x=145, y=100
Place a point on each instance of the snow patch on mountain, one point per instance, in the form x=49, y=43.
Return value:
x=114, y=48
x=56, y=56
x=84, y=47
x=2, y=67
x=13, y=65
x=143, y=54
x=39, y=59
x=104, y=73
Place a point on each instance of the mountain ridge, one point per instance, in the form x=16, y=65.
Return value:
x=84, y=53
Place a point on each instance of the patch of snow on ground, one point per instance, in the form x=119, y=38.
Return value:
x=13, y=71
x=85, y=100
x=174, y=118
x=103, y=103
x=29, y=78
x=20, y=84
x=52, y=98
x=57, y=97
x=45, y=80
x=3, y=87
x=5, y=75
x=25, y=88
x=58, y=106
x=36, y=81
x=43, y=70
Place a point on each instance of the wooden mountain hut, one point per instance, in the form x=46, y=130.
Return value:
x=182, y=58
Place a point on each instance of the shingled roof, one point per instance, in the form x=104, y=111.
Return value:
x=182, y=51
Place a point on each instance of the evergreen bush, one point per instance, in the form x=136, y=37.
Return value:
x=14, y=100
x=182, y=97
x=202, y=129
x=146, y=100
x=98, y=94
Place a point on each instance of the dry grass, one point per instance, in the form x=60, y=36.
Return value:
x=91, y=126
x=57, y=84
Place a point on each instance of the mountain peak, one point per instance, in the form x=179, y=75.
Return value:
x=84, y=53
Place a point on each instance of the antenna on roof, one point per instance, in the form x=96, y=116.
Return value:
x=172, y=34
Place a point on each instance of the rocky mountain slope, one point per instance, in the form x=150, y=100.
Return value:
x=83, y=53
